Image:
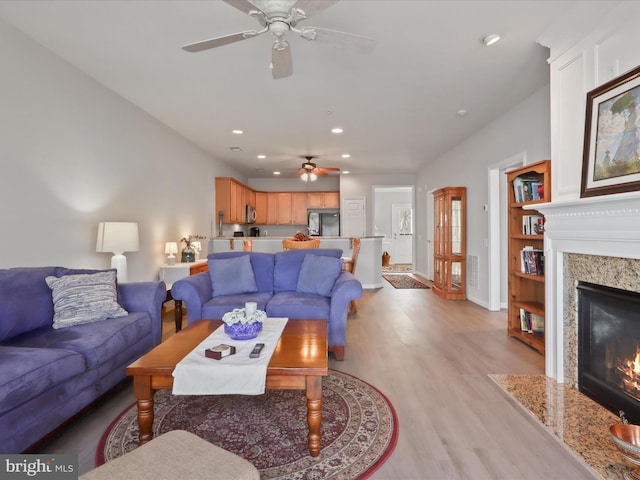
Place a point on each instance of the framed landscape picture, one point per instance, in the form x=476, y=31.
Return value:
x=611, y=158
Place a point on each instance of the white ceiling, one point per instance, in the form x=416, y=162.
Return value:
x=397, y=105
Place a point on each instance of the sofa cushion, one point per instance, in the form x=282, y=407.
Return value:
x=98, y=342
x=25, y=300
x=232, y=276
x=318, y=274
x=298, y=305
x=262, y=264
x=288, y=263
x=84, y=298
x=33, y=371
x=218, y=306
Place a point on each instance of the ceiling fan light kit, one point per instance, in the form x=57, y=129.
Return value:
x=491, y=39
x=279, y=17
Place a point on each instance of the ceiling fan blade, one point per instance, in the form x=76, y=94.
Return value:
x=243, y=5
x=329, y=169
x=311, y=7
x=281, y=64
x=219, y=41
x=350, y=41
x=317, y=171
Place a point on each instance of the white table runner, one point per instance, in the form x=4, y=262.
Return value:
x=197, y=374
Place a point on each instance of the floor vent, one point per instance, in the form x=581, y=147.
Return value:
x=472, y=270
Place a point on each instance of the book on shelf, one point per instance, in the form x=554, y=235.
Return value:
x=527, y=189
x=531, y=322
x=532, y=261
x=532, y=224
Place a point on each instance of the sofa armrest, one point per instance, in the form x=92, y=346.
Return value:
x=145, y=297
x=346, y=288
x=194, y=291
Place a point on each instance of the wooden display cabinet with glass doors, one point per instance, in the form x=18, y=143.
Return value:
x=450, y=243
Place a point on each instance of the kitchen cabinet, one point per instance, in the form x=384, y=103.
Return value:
x=227, y=198
x=272, y=208
x=261, y=208
x=323, y=200
x=449, y=249
x=284, y=209
x=232, y=198
x=299, y=208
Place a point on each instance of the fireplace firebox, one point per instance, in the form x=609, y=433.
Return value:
x=609, y=347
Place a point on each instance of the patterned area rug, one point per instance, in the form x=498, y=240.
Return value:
x=359, y=429
x=398, y=267
x=403, y=281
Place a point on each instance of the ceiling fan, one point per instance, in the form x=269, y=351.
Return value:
x=309, y=171
x=278, y=17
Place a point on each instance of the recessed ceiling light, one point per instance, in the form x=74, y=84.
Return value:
x=262, y=156
x=345, y=155
x=276, y=173
x=491, y=39
x=462, y=112
x=337, y=130
x=237, y=132
x=346, y=172
x=235, y=149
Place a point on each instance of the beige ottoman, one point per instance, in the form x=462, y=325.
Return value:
x=176, y=455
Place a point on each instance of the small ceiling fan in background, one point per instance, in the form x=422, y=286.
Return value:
x=309, y=171
x=279, y=17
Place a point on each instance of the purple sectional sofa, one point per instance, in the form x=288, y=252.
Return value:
x=305, y=283
x=47, y=374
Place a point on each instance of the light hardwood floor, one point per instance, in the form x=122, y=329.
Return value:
x=431, y=358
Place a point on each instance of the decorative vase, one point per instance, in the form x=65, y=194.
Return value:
x=188, y=255
x=243, y=331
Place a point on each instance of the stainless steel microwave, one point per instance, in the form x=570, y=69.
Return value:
x=250, y=214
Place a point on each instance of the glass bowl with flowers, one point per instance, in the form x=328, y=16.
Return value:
x=239, y=325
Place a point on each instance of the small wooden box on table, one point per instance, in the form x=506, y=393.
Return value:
x=299, y=362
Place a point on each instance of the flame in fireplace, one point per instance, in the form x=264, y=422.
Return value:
x=629, y=370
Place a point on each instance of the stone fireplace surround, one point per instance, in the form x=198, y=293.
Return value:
x=593, y=239
x=596, y=240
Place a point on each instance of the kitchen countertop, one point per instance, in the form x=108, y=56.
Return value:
x=281, y=238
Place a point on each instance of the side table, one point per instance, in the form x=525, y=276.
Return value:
x=173, y=273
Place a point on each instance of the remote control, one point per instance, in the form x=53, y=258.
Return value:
x=255, y=353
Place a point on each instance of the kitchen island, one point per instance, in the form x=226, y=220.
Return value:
x=369, y=263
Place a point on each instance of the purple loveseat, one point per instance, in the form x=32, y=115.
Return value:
x=48, y=375
x=305, y=283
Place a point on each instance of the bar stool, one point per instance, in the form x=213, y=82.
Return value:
x=349, y=265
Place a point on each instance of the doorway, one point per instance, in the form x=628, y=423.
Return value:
x=394, y=221
x=497, y=228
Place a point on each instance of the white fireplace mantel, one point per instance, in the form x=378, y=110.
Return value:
x=606, y=226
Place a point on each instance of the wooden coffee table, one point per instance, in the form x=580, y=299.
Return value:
x=298, y=363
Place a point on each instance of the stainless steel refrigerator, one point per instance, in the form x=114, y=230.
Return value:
x=324, y=224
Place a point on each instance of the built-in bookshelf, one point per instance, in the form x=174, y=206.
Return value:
x=527, y=186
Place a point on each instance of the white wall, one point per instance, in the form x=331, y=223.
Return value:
x=525, y=128
x=362, y=186
x=73, y=154
x=579, y=63
x=384, y=200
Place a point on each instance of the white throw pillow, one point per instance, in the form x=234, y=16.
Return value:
x=84, y=298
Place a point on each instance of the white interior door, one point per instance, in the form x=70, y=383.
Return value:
x=429, y=231
x=353, y=218
x=401, y=233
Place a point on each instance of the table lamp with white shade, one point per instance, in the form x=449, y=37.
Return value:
x=170, y=248
x=118, y=237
